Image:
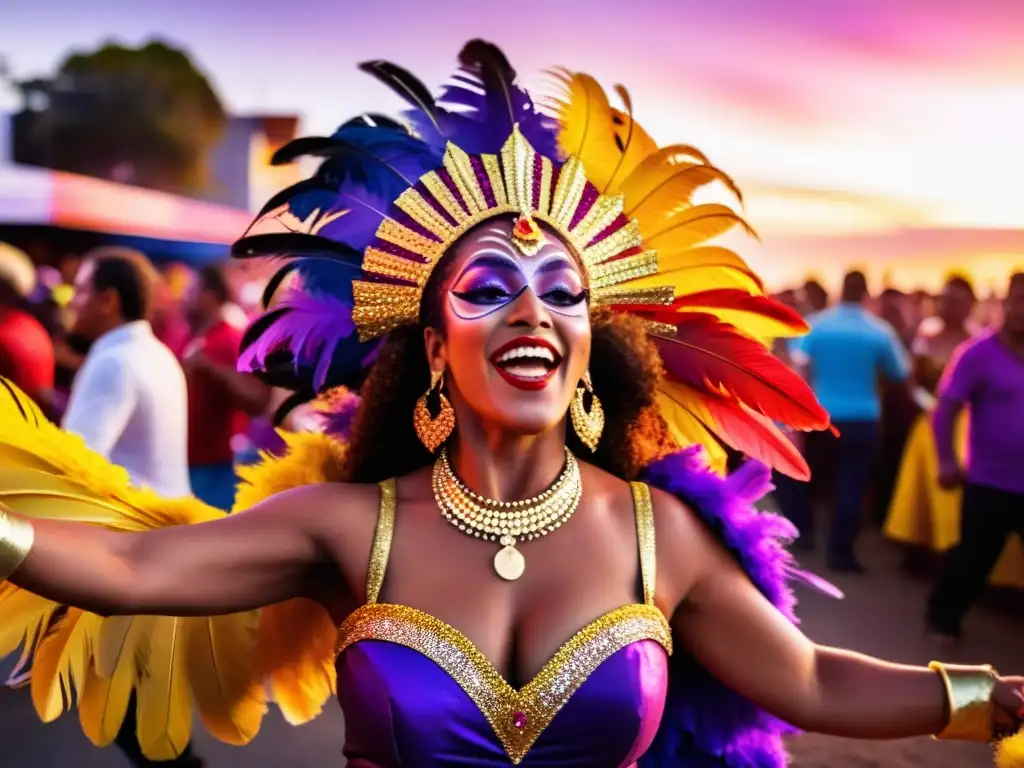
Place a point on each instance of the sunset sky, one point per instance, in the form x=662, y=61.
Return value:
x=868, y=131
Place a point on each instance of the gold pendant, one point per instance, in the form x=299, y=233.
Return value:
x=509, y=563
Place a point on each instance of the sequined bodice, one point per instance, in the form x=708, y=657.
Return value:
x=417, y=692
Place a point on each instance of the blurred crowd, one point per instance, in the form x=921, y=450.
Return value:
x=140, y=360
x=926, y=394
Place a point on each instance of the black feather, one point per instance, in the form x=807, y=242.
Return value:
x=405, y=84
x=275, y=281
x=258, y=327
x=315, y=184
x=487, y=62
x=293, y=245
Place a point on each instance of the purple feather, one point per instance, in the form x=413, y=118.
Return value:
x=313, y=328
x=706, y=724
x=364, y=211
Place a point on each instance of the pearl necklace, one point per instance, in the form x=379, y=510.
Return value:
x=507, y=521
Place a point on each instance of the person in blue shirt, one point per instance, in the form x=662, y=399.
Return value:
x=846, y=352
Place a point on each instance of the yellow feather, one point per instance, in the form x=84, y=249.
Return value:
x=1010, y=752
x=221, y=663
x=311, y=458
x=700, y=269
x=60, y=663
x=596, y=133
x=296, y=637
x=656, y=191
x=103, y=703
x=21, y=616
x=686, y=417
x=694, y=226
x=296, y=642
x=164, y=707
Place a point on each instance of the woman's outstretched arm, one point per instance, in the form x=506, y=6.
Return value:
x=274, y=551
x=740, y=637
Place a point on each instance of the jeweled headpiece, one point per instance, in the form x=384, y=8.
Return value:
x=445, y=204
x=364, y=234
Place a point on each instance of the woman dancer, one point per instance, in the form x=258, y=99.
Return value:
x=534, y=335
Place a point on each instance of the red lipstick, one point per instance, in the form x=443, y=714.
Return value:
x=528, y=383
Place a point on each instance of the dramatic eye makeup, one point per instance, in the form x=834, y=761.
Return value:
x=494, y=278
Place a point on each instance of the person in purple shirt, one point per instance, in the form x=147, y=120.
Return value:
x=986, y=374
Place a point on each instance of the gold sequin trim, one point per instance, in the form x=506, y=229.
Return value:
x=601, y=214
x=460, y=168
x=624, y=269
x=388, y=265
x=517, y=717
x=423, y=213
x=661, y=296
x=444, y=196
x=644, y=510
x=617, y=242
x=381, y=549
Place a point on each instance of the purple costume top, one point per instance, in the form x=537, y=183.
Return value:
x=417, y=692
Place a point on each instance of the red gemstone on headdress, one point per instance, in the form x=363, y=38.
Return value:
x=519, y=720
x=525, y=228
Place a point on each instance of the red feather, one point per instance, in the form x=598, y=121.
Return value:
x=752, y=434
x=755, y=315
x=712, y=356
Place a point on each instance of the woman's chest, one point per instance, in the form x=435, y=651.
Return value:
x=416, y=694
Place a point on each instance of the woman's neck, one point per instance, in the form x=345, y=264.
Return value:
x=507, y=467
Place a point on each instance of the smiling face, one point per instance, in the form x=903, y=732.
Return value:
x=516, y=336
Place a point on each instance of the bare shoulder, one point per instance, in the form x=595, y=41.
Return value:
x=607, y=492
x=678, y=527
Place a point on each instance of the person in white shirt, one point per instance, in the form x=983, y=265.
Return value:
x=129, y=400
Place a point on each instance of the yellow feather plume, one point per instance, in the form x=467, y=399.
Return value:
x=701, y=269
x=608, y=142
x=220, y=664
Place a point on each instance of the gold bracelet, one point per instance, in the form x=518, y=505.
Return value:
x=16, y=538
x=969, y=698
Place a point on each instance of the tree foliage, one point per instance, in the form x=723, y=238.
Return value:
x=145, y=115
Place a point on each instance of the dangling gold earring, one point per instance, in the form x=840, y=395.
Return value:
x=433, y=431
x=588, y=424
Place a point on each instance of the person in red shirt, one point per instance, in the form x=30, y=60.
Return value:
x=26, y=350
x=221, y=399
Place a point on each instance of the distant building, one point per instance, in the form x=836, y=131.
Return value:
x=240, y=164
x=241, y=175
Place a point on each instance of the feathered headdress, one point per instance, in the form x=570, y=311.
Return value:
x=389, y=198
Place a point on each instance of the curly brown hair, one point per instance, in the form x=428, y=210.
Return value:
x=624, y=366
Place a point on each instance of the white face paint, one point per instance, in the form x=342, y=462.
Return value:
x=498, y=273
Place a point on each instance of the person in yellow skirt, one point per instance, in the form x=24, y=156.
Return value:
x=923, y=513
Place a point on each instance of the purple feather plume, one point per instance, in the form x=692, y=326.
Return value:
x=706, y=724
x=313, y=327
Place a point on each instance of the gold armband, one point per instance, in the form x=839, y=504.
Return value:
x=969, y=700
x=16, y=538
